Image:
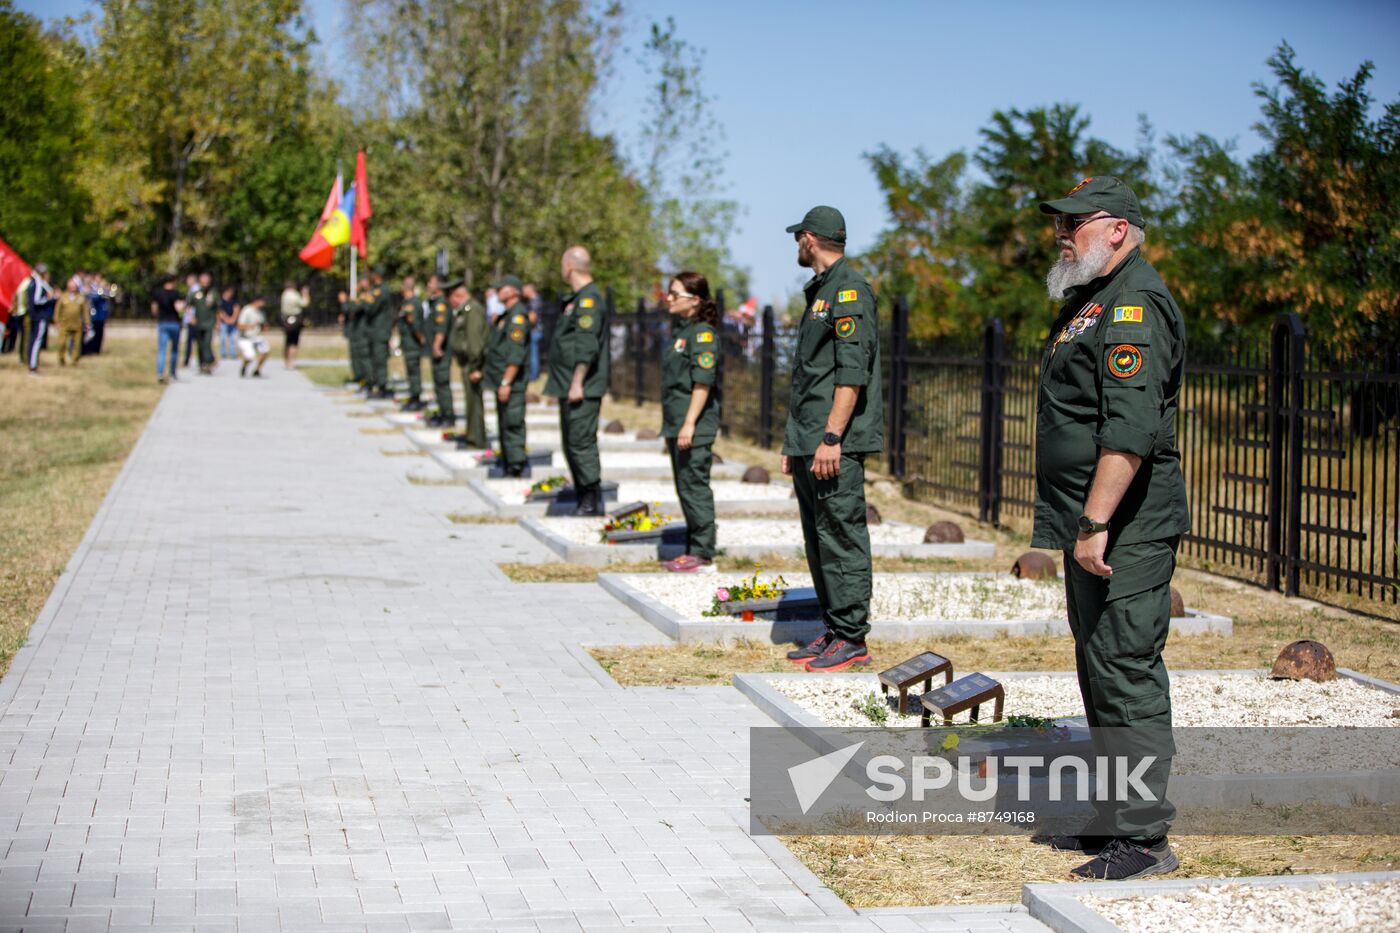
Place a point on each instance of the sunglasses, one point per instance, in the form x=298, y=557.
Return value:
x=1069, y=223
x=676, y=296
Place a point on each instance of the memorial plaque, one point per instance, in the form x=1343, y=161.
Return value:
x=632, y=508
x=968, y=692
x=799, y=601
x=675, y=530
x=920, y=667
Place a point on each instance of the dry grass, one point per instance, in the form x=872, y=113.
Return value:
x=906, y=871
x=404, y=453
x=431, y=481
x=334, y=376
x=67, y=434
x=479, y=518
x=557, y=572
x=380, y=432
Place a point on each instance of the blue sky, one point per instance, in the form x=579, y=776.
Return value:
x=804, y=89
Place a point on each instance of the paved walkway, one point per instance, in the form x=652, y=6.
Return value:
x=277, y=690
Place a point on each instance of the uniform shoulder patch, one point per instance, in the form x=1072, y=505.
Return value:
x=845, y=327
x=585, y=321
x=1127, y=313
x=441, y=306
x=518, y=319
x=1124, y=361
x=586, y=303
x=705, y=360
x=846, y=295
x=705, y=336
x=517, y=334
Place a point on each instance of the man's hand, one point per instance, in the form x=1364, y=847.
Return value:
x=575, y=393
x=686, y=437
x=826, y=463
x=474, y=375
x=786, y=465
x=503, y=393
x=1089, y=551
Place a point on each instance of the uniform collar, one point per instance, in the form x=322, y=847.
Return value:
x=817, y=281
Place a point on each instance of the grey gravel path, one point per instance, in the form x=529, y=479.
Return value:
x=277, y=690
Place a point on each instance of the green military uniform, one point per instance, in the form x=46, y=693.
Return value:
x=471, y=332
x=206, y=314
x=437, y=320
x=410, y=325
x=580, y=339
x=356, y=329
x=691, y=359
x=838, y=344
x=379, y=321
x=1110, y=377
x=509, y=346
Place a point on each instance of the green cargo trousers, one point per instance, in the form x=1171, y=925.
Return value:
x=412, y=362
x=1119, y=625
x=578, y=428
x=475, y=405
x=510, y=428
x=837, y=542
x=359, y=350
x=691, y=469
x=378, y=330
x=442, y=385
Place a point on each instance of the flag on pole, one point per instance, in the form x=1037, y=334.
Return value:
x=13, y=270
x=359, y=233
x=318, y=251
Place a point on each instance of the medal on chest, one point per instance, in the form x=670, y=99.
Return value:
x=679, y=345
x=820, y=308
x=1087, y=317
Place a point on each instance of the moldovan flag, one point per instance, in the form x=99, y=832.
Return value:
x=359, y=235
x=319, y=251
x=13, y=270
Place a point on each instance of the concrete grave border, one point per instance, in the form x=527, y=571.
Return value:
x=660, y=471
x=723, y=508
x=1061, y=908
x=674, y=625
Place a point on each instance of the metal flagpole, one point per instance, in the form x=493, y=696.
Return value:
x=353, y=253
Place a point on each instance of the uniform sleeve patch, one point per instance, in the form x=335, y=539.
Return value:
x=705, y=336
x=585, y=321
x=705, y=360
x=441, y=306
x=1124, y=361
x=1127, y=313
x=517, y=334
x=518, y=319
x=845, y=296
x=845, y=327
x=586, y=303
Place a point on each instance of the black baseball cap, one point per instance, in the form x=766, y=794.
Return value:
x=512, y=281
x=1098, y=193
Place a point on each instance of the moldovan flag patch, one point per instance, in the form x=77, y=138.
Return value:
x=1127, y=314
x=845, y=296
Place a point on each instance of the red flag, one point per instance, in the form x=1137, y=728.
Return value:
x=13, y=270
x=359, y=235
x=317, y=252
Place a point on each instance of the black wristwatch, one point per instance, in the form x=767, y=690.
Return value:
x=831, y=440
x=1091, y=527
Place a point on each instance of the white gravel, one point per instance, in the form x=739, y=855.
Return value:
x=1220, y=700
x=1249, y=908
x=513, y=491
x=896, y=596
x=736, y=532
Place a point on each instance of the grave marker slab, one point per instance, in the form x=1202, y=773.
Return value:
x=968, y=692
x=797, y=603
x=920, y=667
x=675, y=531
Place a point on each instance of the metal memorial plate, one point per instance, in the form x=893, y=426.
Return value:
x=920, y=667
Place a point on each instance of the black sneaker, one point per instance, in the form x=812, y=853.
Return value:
x=839, y=655
x=1121, y=860
x=813, y=649
x=1089, y=845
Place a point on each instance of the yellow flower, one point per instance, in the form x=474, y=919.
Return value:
x=949, y=741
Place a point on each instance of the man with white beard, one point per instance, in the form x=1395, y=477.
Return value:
x=1110, y=495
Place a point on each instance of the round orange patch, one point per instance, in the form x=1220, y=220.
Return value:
x=1125, y=360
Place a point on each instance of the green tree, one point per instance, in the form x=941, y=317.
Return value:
x=44, y=211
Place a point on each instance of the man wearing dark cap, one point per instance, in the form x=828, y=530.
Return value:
x=506, y=357
x=437, y=325
x=408, y=320
x=378, y=325
x=578, y=376
x=835, y=418
x=470, y=334
x=1110, y=495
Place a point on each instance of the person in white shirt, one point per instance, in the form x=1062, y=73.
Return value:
x=294, y=305
x=252, y=345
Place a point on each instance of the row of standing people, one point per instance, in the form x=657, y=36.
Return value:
x=76, y=315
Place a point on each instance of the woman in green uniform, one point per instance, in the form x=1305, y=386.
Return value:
x=690, y=413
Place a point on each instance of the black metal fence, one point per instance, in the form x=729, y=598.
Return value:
x=1291, y=451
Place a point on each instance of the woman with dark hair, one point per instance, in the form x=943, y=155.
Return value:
x=690, y=413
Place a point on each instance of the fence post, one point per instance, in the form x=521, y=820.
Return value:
x=1284, y=543
x=993, y=424
x=767, y=364
x=898, y=392
x=639, y=344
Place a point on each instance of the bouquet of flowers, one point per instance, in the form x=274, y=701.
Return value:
x=553, y=484
x=648, y=520
x=748, y=588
